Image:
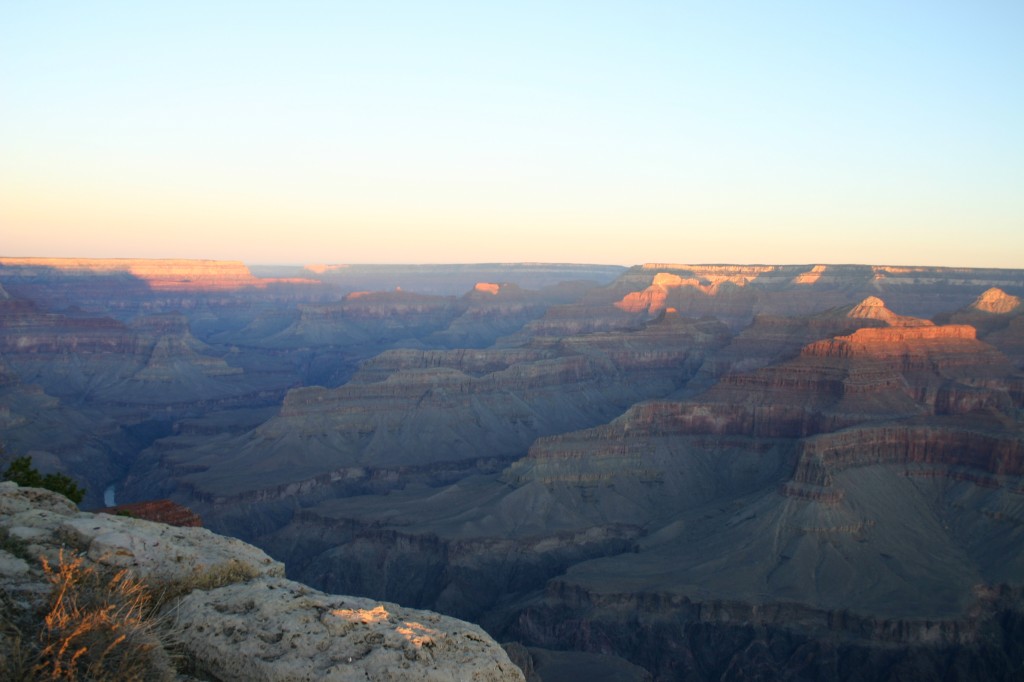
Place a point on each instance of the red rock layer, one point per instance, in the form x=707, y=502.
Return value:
x=161, y=511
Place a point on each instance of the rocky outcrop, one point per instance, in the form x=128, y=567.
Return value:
x=229, y=612
x=893, y=342
x=873, y=308
x=996, y=301
x=999, y=319
x=274, y=629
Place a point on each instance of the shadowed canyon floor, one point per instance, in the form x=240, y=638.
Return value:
x=706, y=472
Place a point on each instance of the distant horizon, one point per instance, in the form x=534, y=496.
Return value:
x=661, y=263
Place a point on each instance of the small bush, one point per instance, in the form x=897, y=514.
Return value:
x=21, y=472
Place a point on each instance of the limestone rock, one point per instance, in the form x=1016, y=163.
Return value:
x=233, y=615
x=274, y=629
x=15, y=499
x=162, y=554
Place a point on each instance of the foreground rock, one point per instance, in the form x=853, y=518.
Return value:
x=275, y=629
x=227, y=608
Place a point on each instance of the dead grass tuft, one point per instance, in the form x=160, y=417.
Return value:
x=98, y=627
x=16, y=661
x=227, y=573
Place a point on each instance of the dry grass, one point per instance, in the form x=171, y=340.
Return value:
x=97, y=627
x=230, y=572
x=16, y=660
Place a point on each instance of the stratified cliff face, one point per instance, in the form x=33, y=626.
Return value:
x=431, y=413
x=713, y=471
x=873, y=375
x=736, y=294
x=856, y=507
x=999, y=319
x=865, y=496
x=155, y=360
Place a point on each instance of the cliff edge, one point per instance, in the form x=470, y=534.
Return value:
x=224, y=610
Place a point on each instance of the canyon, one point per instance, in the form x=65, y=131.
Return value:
x=681, y=472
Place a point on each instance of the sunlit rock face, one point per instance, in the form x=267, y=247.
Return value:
x=167, y=274
x=736, y=294
x=996, y=301
x=999, y=319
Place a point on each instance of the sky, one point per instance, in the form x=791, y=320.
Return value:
x=486, y=131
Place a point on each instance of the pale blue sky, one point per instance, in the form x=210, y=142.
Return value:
x=616, y=132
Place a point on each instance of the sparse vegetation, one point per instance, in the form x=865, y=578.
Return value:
x=227, y=573
x=21, y=472
x=97, y=626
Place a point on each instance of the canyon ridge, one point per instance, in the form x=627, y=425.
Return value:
x=663, y=472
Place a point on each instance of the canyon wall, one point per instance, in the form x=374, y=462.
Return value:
x=712, y=471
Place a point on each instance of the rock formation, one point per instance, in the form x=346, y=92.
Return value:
x=227, y=610
x=710, y=471
x=184, y=275
x=434, y=413
x=996, y=301
x=999, y=319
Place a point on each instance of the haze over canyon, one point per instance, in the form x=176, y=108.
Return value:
x=666, y=471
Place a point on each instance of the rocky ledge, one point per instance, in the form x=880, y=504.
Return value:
x=226, y=612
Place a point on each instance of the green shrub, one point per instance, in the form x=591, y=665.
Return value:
x=21, y=472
